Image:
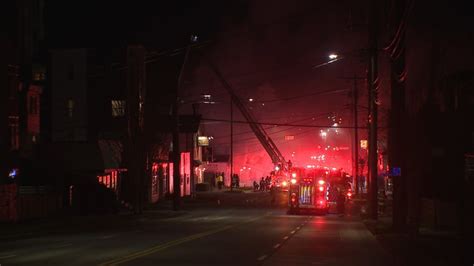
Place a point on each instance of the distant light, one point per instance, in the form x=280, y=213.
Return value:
x=335, y=125
x=333, y=56
x=250, y=168
x=321, y=182
x=321, y=189
x=13, y=173
x=334, y=168
x=293, y=175
x=277, y=168
x=250, y=99
x=324, y=134
x=284, y=183
x=194, y=38
x=293, y=181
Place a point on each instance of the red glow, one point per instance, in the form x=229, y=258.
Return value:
x=321, y=189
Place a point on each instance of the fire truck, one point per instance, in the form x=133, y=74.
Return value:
x=308, y=191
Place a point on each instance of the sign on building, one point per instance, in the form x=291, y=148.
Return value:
x=203, y=141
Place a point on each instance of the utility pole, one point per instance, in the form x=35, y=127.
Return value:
x=397, y=114
x=355, y=162
x=176, y=149
x=355, y=95
x=372, y=81
x=231, y=141
x=136, y=92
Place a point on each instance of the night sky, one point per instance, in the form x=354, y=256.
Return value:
x=267, y=51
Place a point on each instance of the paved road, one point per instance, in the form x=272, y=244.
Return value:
x=219, y=236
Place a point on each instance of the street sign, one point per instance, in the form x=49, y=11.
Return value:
x=396, y=171
x=203, y=141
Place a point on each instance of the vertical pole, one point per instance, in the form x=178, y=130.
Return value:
x=176, y=150
x=373, y=86
x=356, y=138
x=397, y=114
x=231, y=140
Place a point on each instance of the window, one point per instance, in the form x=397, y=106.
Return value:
x=71, y=72
x=33, y=105
x=118, y=108
x=70, y=108
x=14, y=132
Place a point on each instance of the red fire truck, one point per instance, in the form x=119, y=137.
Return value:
x=308, y=192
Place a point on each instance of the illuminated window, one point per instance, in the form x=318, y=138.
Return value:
x=118, y=108
x=33, y=105
x=14, y=132
x=70, y=108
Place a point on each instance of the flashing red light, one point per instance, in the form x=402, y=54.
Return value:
x=321, y=189
x=321, y=182
x=293, y=197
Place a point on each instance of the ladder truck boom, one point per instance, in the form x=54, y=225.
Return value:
x=264, y=139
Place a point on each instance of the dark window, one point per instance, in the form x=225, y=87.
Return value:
x=14, y=132
x=71, y=72
x=33, y=105
x=70, y=108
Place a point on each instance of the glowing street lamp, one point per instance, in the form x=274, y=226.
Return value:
x=333, y=56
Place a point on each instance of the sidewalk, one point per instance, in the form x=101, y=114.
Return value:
x=427, y=248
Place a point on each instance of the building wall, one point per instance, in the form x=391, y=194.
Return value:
x=69, y=95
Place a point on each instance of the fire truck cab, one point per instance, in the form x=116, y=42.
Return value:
x=308, y=192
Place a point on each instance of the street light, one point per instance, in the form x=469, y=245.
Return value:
x=333, y=56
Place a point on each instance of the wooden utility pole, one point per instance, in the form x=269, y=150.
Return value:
x=176, y=148
x=355, y=104
x=372, y=81
x=397, y=114
x=231, y=141
x=136, y=91
x=355, y=95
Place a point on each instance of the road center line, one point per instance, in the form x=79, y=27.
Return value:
x=298, y=228
x=292, y=232
x=106, y=236
x=172, y=243
x=63, y=245
x=7, y=256
x=276, y=246
x=285, y=237
x=262, y=257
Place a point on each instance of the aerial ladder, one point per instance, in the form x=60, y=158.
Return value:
x=264, y=139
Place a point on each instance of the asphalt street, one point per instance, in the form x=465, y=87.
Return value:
x=212, y=236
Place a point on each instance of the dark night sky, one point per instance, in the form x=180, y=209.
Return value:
x=158, y=24
x=266, y=49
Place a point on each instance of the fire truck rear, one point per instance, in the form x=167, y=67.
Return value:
x=308, y=192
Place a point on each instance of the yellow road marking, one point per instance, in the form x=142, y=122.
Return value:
x=7, y=256
x=173, y=243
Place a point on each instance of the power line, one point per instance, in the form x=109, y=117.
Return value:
x=269, y=127
x=280, y=124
